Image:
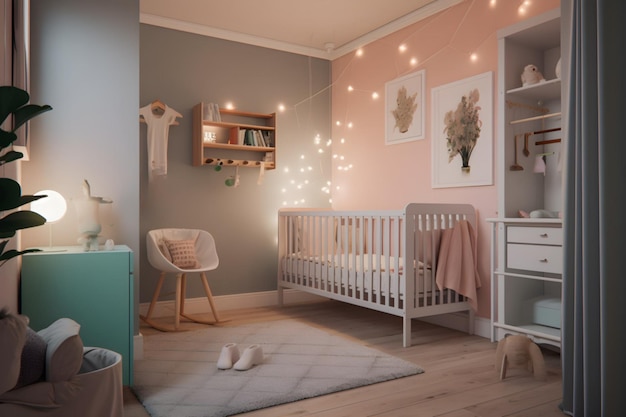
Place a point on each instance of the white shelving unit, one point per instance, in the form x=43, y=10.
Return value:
x=527, y=253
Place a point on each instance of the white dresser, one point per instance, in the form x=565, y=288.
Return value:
x=526, y=279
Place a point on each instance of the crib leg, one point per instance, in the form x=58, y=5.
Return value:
x=280, y=296
x=470, y=327
x=406, y=337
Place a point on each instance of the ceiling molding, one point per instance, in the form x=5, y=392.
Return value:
x=183, y=26
x=400, y=23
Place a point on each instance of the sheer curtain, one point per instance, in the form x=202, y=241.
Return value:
x=594, y=304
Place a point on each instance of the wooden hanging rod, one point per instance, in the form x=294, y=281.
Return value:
x=547, y=142
x=529, y=119
x=539, y=132
x=237, y=162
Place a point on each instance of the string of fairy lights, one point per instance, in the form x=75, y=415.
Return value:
x=297, y=177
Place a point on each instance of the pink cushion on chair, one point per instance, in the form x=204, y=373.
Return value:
x=183, y=253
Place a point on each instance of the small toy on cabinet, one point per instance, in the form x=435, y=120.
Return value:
x=531, y=75
x=518, y=351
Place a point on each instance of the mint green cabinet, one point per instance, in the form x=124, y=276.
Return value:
x=95, y=289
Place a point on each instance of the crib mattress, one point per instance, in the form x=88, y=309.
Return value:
x=375, y=274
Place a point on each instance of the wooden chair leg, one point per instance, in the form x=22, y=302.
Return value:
x=209, y=296
x=155, y=297
x=177, y=301
x=183, y=293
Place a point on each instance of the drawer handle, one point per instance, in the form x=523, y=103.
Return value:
x=544, y=260
x=543, y=235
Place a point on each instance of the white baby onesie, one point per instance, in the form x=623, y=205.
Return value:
x=158, y=130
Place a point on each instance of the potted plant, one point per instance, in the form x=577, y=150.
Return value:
x=14, y=102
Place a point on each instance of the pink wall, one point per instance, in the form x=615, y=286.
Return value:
x=390, y=176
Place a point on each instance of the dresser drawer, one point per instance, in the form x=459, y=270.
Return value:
x=538, y=235
x=538, y=258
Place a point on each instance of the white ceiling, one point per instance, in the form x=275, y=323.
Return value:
x=320, y=28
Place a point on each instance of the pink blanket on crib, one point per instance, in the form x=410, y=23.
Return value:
x=456, y=267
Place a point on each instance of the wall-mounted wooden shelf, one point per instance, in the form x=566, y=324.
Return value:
x=236, y=138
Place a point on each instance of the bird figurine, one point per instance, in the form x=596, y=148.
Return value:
x=531, y=75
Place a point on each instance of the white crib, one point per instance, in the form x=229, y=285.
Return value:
x=361, y=257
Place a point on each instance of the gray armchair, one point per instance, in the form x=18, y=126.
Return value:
x=50, y=373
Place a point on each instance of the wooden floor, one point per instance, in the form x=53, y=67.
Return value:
x=459, y=379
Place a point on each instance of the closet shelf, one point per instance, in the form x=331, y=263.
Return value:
x=543, y=91
x=530, y=119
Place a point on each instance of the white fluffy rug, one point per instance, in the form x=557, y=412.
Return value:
x=179, y=377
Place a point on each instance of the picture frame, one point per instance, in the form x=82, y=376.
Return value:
x=462, y=154
x=405, y=108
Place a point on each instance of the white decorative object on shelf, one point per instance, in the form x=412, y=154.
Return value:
x=531, y=75
x=88, y=210
x=557, y=70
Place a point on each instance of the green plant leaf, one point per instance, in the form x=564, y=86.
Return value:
x=6, y=138
x=18, y=220
x=10, y=157
x=24, y=114
x=12, y=253
x=11, y=195
x=11, y=99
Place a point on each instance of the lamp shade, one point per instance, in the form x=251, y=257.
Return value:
x=52, y=207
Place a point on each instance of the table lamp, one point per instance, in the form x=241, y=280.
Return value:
x=52, y=207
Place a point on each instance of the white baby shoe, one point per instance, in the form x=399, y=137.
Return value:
x=228, y=356
x=252, y=355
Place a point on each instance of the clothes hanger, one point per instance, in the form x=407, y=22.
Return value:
x=157, y=105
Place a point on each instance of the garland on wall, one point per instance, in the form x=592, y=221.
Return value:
x=409, y=54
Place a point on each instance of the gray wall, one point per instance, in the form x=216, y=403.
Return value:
x=85, y=64
x=182, y=69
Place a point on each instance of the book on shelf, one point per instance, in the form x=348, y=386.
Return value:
x=212, y=112
x=255, y=137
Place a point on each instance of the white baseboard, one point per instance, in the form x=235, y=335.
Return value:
x=457, y=321
x=200, y=305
